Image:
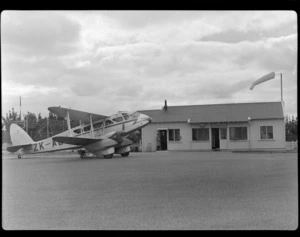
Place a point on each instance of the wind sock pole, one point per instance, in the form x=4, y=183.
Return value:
x=281, y=87
x=267, y=77
x=20, y=109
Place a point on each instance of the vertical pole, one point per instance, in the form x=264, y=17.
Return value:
x=20, y=109
x=281, y=87
x=80, y=127
x=47, y=127
x=27, y=124
x=68, y=123
x=92, y=128
x=249, y=137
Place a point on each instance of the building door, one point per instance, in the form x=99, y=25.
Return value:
x=163, y=140
x=215, y=140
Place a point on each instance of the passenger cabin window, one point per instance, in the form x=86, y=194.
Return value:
x=77, y=131
x=87, y=128
x=125, y=115
x=118, y=119
x=108, y=122
x=98, y=125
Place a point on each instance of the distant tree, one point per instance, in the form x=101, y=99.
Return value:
x=291, y=129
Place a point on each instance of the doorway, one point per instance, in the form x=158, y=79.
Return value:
x=162, y=142
x=215, y=140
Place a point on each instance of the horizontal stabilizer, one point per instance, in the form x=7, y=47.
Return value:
x=16, y=148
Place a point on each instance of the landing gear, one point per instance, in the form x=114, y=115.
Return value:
x=125, y=154
x=82, y=154
x=108, y=156
x=19, y=156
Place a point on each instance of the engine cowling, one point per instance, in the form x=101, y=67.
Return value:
x=118, y=137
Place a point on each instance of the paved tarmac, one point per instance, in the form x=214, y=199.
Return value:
x=151, y=191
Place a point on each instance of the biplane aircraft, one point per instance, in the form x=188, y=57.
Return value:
x=98, y=135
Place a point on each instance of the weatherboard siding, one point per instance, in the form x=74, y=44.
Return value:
x=253, y=140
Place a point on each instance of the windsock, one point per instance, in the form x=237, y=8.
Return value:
x=264, y=78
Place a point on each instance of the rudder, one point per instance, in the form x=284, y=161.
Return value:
x=18, y=136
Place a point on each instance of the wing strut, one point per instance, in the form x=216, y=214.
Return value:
x=68, y=122
x=92, y=127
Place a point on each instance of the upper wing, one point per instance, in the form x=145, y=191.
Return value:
x=76, y=114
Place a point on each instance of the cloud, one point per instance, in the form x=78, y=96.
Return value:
x=257, y=34
x=102, y=61
x=38, y=33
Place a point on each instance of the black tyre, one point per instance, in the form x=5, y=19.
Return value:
x=109, y=156
x=125, y=154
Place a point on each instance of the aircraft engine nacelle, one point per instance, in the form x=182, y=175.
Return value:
x=101, y=145
x=134, y=137
x=118, y=137
x=126, y=142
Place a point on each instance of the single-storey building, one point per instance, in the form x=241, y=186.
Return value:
x=238, y=126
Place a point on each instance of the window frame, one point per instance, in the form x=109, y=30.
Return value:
x=266, y=132
x=242, y=138
x=222, y=133
x=203, y=133
x=175, y=137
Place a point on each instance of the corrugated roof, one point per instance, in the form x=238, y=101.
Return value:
x=237, y=112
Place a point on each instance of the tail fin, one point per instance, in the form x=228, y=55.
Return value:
x=18, y=136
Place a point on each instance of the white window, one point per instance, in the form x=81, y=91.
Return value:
x=266, y=132
x=174, y=135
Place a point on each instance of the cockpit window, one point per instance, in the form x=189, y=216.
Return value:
x=125, y=115
x=135, y=114
x=118, y=119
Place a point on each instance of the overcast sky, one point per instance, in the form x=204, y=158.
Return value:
x=107, y=61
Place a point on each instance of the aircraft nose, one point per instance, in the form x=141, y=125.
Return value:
x=144, y=117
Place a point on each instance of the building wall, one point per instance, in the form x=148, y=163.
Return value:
x=278, y=141
x=253, y=131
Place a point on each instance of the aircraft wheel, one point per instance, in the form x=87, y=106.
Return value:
x=82, y=154
x=125, y=154
x=108, y=156
x=19, y=156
